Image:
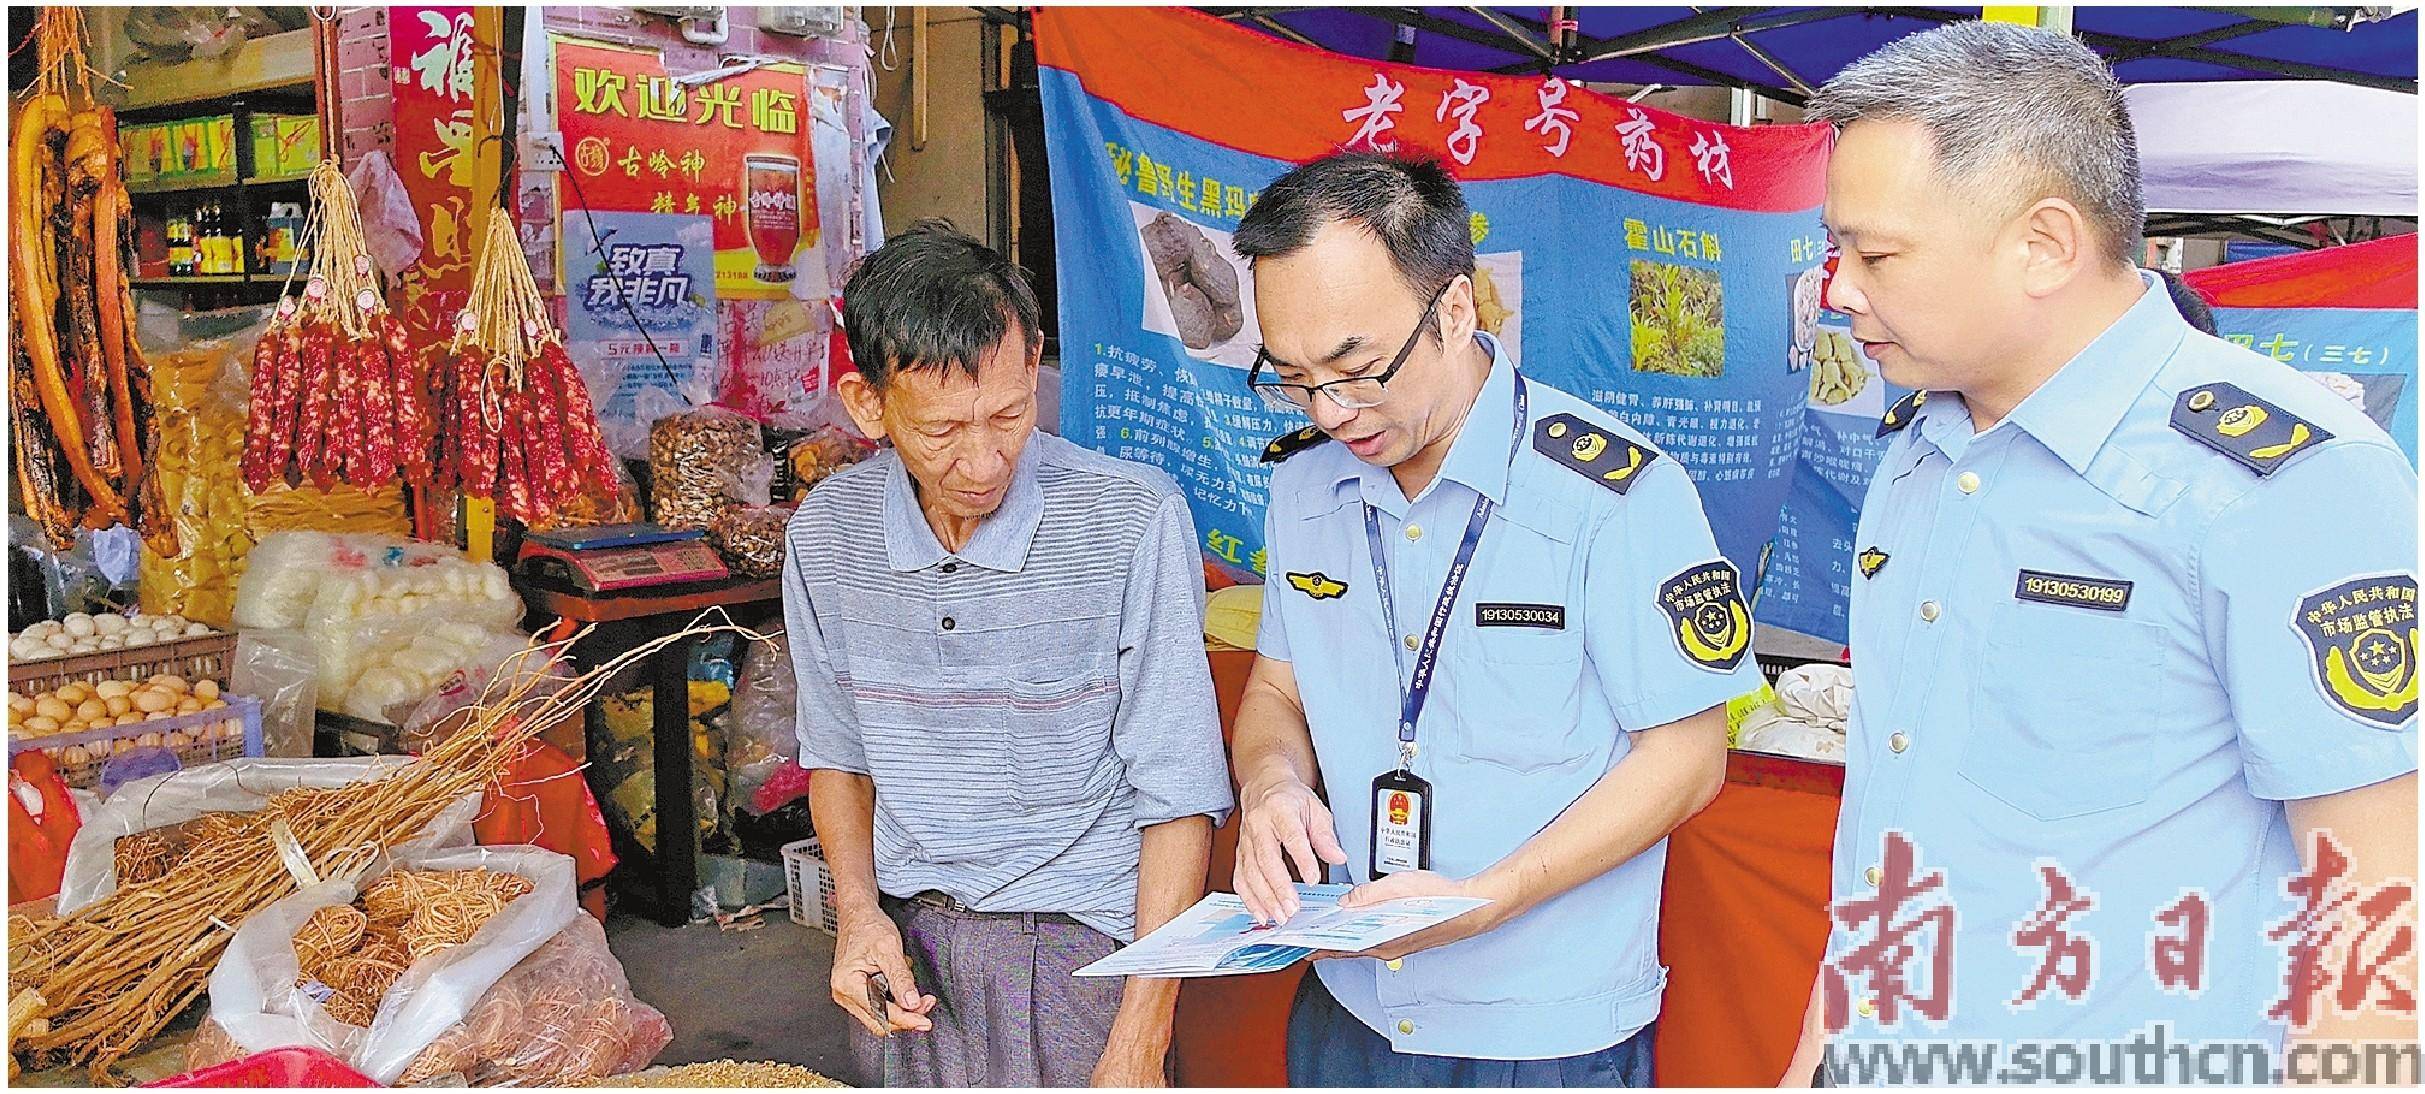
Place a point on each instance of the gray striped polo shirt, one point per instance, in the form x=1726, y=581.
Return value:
x=1024, y=706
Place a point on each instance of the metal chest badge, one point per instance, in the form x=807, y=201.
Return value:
x=2362, y=634
x=1318, y=585
x=1705, y=605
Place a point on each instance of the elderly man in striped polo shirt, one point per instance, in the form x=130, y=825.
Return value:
x=1005, y=708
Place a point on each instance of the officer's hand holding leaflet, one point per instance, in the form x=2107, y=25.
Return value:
x=1669, y=777
x=1284, y=819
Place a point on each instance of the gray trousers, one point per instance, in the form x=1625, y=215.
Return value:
x=1008, y=1012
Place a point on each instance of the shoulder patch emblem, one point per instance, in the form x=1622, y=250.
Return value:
x=1289, y=444
x=1591, y=452
x=1704, y=605
x=1901, y=414
x=1318, y=585
x=2259, y=435
x=2362, y=640
x=1872, y=560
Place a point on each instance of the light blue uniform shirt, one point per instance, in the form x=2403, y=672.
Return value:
x=2144, y=747
x=1521, y=720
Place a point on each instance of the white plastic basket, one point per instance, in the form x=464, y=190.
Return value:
x=810, y=884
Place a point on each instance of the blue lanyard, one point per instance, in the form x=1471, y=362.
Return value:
x=1417, y=689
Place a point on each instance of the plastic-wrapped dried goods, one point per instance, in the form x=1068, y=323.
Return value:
x=330, y=933
x=750, y=537
x=764, y=738
x=379, y=1024
x=696, y=460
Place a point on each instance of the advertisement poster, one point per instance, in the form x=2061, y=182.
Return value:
x=733, y=150
x=1638, y=259
x=640, y=317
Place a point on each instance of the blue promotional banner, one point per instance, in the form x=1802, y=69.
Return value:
x=1647, y=262
x=2366, y=355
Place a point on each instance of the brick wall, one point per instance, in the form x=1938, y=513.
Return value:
x=366, y=107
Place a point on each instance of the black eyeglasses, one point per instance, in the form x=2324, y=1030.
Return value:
x=1354, y=393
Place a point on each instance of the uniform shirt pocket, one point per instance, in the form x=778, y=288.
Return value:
x=2064, y=707
x=1517, y=696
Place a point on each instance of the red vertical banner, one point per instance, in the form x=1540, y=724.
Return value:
x=735, y=150
x=446, y=102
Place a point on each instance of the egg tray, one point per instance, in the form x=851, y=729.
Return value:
x=202, y=657
x=102, y=742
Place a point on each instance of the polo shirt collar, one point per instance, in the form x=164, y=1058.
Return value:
x=1002, y=538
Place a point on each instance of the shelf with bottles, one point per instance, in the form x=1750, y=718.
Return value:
x=210, y=236
x=219, y=189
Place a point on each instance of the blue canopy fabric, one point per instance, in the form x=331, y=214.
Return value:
x=2369, y=47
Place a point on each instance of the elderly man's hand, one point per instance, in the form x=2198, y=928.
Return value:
x=864, y=945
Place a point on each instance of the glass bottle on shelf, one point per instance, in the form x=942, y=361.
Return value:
x=206, y=239
x=180, y=243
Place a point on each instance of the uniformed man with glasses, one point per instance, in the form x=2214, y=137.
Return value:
x=1496, y=646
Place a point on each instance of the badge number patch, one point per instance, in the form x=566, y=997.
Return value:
x=1318, y=585
x=1704, y=606
x=2362, y=640
x=2104, y=594
x=1548, y=617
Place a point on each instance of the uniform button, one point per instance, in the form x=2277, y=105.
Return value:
x=1396, y=965
x=949, y=623
x=1410, y=642
x=1929, y=611
x=1414, y=532
x=1897, y=743
x=1968, y=481
x=1405, y=1026
x=951, y=567
x=1868, y=1009
x=1871, y=876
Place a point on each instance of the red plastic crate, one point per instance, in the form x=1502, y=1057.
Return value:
x=279, y=1067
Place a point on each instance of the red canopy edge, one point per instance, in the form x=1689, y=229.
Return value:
x=2377, y=274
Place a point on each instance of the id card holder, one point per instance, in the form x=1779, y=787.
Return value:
x=1401, y=823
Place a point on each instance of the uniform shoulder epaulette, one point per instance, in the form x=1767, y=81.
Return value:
x=1901, y=414
x=1289, y=444
x=1591, y=451
x=2257, y=434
